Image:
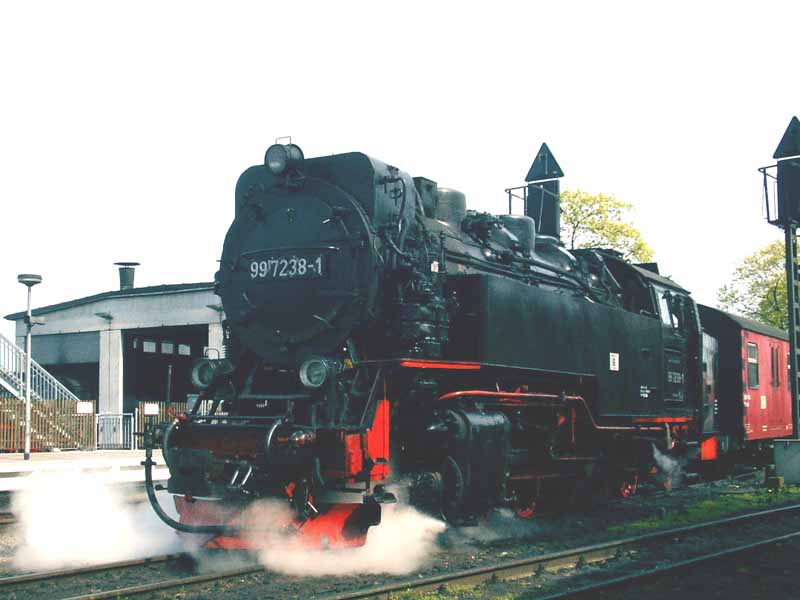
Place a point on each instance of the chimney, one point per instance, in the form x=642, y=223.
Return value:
x=127, y=270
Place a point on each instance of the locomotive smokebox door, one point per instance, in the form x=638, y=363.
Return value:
x=297, y=270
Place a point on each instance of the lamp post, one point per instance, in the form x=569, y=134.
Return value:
x=29, y=280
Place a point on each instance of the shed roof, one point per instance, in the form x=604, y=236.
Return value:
x=173, y=288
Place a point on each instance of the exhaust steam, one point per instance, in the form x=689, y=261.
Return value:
x=402, y=543
x=72, y=519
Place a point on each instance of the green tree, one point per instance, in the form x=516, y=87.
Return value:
x=758, y=287
x=600, y=221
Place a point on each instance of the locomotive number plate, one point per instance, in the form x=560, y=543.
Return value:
x=288, y=267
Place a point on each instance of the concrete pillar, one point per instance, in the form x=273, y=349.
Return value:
x=215, y=341
x=110, y=395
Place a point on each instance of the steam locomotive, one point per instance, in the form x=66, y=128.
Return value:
x=383, y=341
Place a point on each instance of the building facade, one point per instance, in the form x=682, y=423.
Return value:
x=123, y=347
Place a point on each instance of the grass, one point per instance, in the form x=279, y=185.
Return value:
x=713, y=508
x=478, y=592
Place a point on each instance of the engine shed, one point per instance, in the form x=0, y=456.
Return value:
x=124, y=347
x=748, y=376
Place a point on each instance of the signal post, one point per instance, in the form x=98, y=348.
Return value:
x=787, y=217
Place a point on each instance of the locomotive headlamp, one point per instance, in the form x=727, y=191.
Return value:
x=205, y=369
x=314, y=372
x=202, y=373
x=283, y=157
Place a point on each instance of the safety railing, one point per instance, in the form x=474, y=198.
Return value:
x=12, y=367
x=157, y=412
x=43, y=385
x=55, y=422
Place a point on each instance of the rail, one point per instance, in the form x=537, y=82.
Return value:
x=572, y=558
x=525, y=567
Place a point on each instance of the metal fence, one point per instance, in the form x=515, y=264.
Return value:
x=157, y=412
x=115, y=432
x=55, y=424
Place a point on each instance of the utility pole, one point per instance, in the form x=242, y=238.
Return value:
x=29, y=280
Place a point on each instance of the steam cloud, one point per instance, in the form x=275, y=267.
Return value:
x=400, y=544
x=671, y=467
x=70, y=519
x=498, y=524
x=78, y=519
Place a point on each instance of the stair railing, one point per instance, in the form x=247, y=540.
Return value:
x=43, y=385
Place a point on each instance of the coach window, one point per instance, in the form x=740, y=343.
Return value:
x=752, y=366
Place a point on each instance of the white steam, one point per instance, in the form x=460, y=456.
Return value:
x=69, y=519
x=670, y=467
x=78, y=519
x=498, y=524
x=402, y=543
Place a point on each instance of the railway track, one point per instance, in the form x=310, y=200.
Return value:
x=511, y=570
x=578, y=557
x=30, y=583
x=590, y=591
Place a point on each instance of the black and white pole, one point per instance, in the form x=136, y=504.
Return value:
x=29, y=280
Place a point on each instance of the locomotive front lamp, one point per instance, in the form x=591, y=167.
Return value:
x=202, y=373
x=314, y=372
x=283, y=157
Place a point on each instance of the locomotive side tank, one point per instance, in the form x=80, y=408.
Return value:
x=380, y=337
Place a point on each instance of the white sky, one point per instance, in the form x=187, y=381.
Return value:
x=123, y=127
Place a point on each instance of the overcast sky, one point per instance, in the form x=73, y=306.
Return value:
x=123, y=127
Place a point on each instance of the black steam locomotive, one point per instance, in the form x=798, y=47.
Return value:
x=379, y=333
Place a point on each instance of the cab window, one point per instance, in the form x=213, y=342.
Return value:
x=663, y=305
x=752, y=366
x=672, y=308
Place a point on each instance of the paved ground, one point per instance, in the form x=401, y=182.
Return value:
x=13, y=461
x=117, y=465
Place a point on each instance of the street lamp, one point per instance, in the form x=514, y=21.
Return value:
x=29, y=280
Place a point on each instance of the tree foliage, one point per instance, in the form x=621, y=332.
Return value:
x=758, y=287
x=600, y=221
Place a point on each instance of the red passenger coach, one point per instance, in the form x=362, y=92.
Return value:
x=750, y=380
x=765, y=386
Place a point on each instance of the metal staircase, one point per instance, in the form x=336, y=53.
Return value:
x=53, y=406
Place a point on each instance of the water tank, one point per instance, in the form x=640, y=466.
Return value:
x=524, y=228
x=452, y=207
